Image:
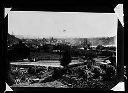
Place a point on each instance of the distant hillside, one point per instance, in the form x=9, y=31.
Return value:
x=94, y=41
x=12, y=39
x=26, y=37
x=75, y=41
x=103, y=41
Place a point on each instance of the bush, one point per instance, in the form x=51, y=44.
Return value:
x=18, y=52
x=79, y=72
x=31, y=70
x=100, y=47
x=39, y=69
x=110, y=72
x=10, y=79
x=97, y=73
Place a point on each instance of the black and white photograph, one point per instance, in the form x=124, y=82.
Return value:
x=54, y=49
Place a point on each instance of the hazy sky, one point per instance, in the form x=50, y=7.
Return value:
x=58, y=24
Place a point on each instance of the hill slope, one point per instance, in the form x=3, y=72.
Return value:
x=75, y=41
x=12, y=39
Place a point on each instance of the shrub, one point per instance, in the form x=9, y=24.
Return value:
x=100, y=47
x=10, y=79
x=97, y=70
x=39, y=69
x=79, y=72
x=110, y=72
x=31, y=70
x=18, y=52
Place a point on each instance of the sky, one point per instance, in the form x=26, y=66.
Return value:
x=62, y=24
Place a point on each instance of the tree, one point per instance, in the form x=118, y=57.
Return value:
x=18, y=51
x=100, y=47
x=66, y=56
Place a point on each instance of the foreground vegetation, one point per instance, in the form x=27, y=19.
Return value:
x=80, y=76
